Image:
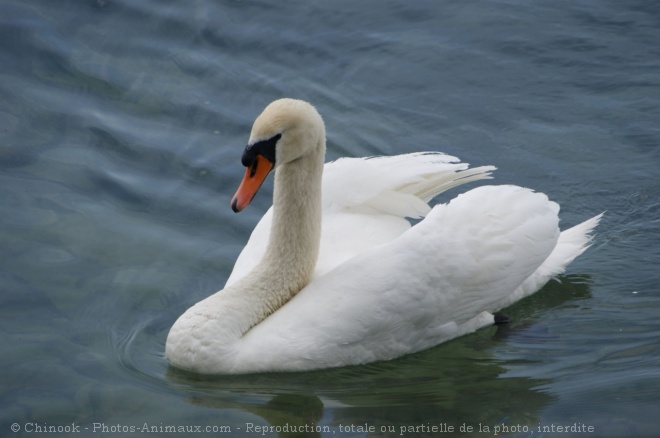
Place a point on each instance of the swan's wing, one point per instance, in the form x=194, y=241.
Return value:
x=436, y=281
x=400, y=185
x=366, y=202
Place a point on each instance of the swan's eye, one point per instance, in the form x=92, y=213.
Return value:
x=265, y=148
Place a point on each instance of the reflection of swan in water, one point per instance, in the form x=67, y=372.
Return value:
x=386, y=395
x=362, y=285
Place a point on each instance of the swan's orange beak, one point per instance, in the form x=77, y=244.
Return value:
x=255, y=174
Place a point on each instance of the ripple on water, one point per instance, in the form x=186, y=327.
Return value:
x=140, y=350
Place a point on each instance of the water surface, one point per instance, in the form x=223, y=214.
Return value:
x=121, y=129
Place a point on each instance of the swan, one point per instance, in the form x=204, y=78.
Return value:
x=334, y=274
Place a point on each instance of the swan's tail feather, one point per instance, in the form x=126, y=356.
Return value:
x=571, y=244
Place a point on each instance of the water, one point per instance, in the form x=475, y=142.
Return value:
x=121, y=128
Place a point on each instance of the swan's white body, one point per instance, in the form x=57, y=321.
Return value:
x=365, y=285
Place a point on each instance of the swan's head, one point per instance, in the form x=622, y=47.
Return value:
x=286, y=130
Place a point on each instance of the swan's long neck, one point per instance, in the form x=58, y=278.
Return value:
x=295, y=235
x=292, y=251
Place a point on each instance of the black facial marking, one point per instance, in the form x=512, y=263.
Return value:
x=265, y=148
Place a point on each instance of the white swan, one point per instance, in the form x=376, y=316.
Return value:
x=344, y=279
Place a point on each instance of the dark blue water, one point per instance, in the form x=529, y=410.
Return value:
x=121, y=129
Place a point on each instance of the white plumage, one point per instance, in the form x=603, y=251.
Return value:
x=379, y=288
